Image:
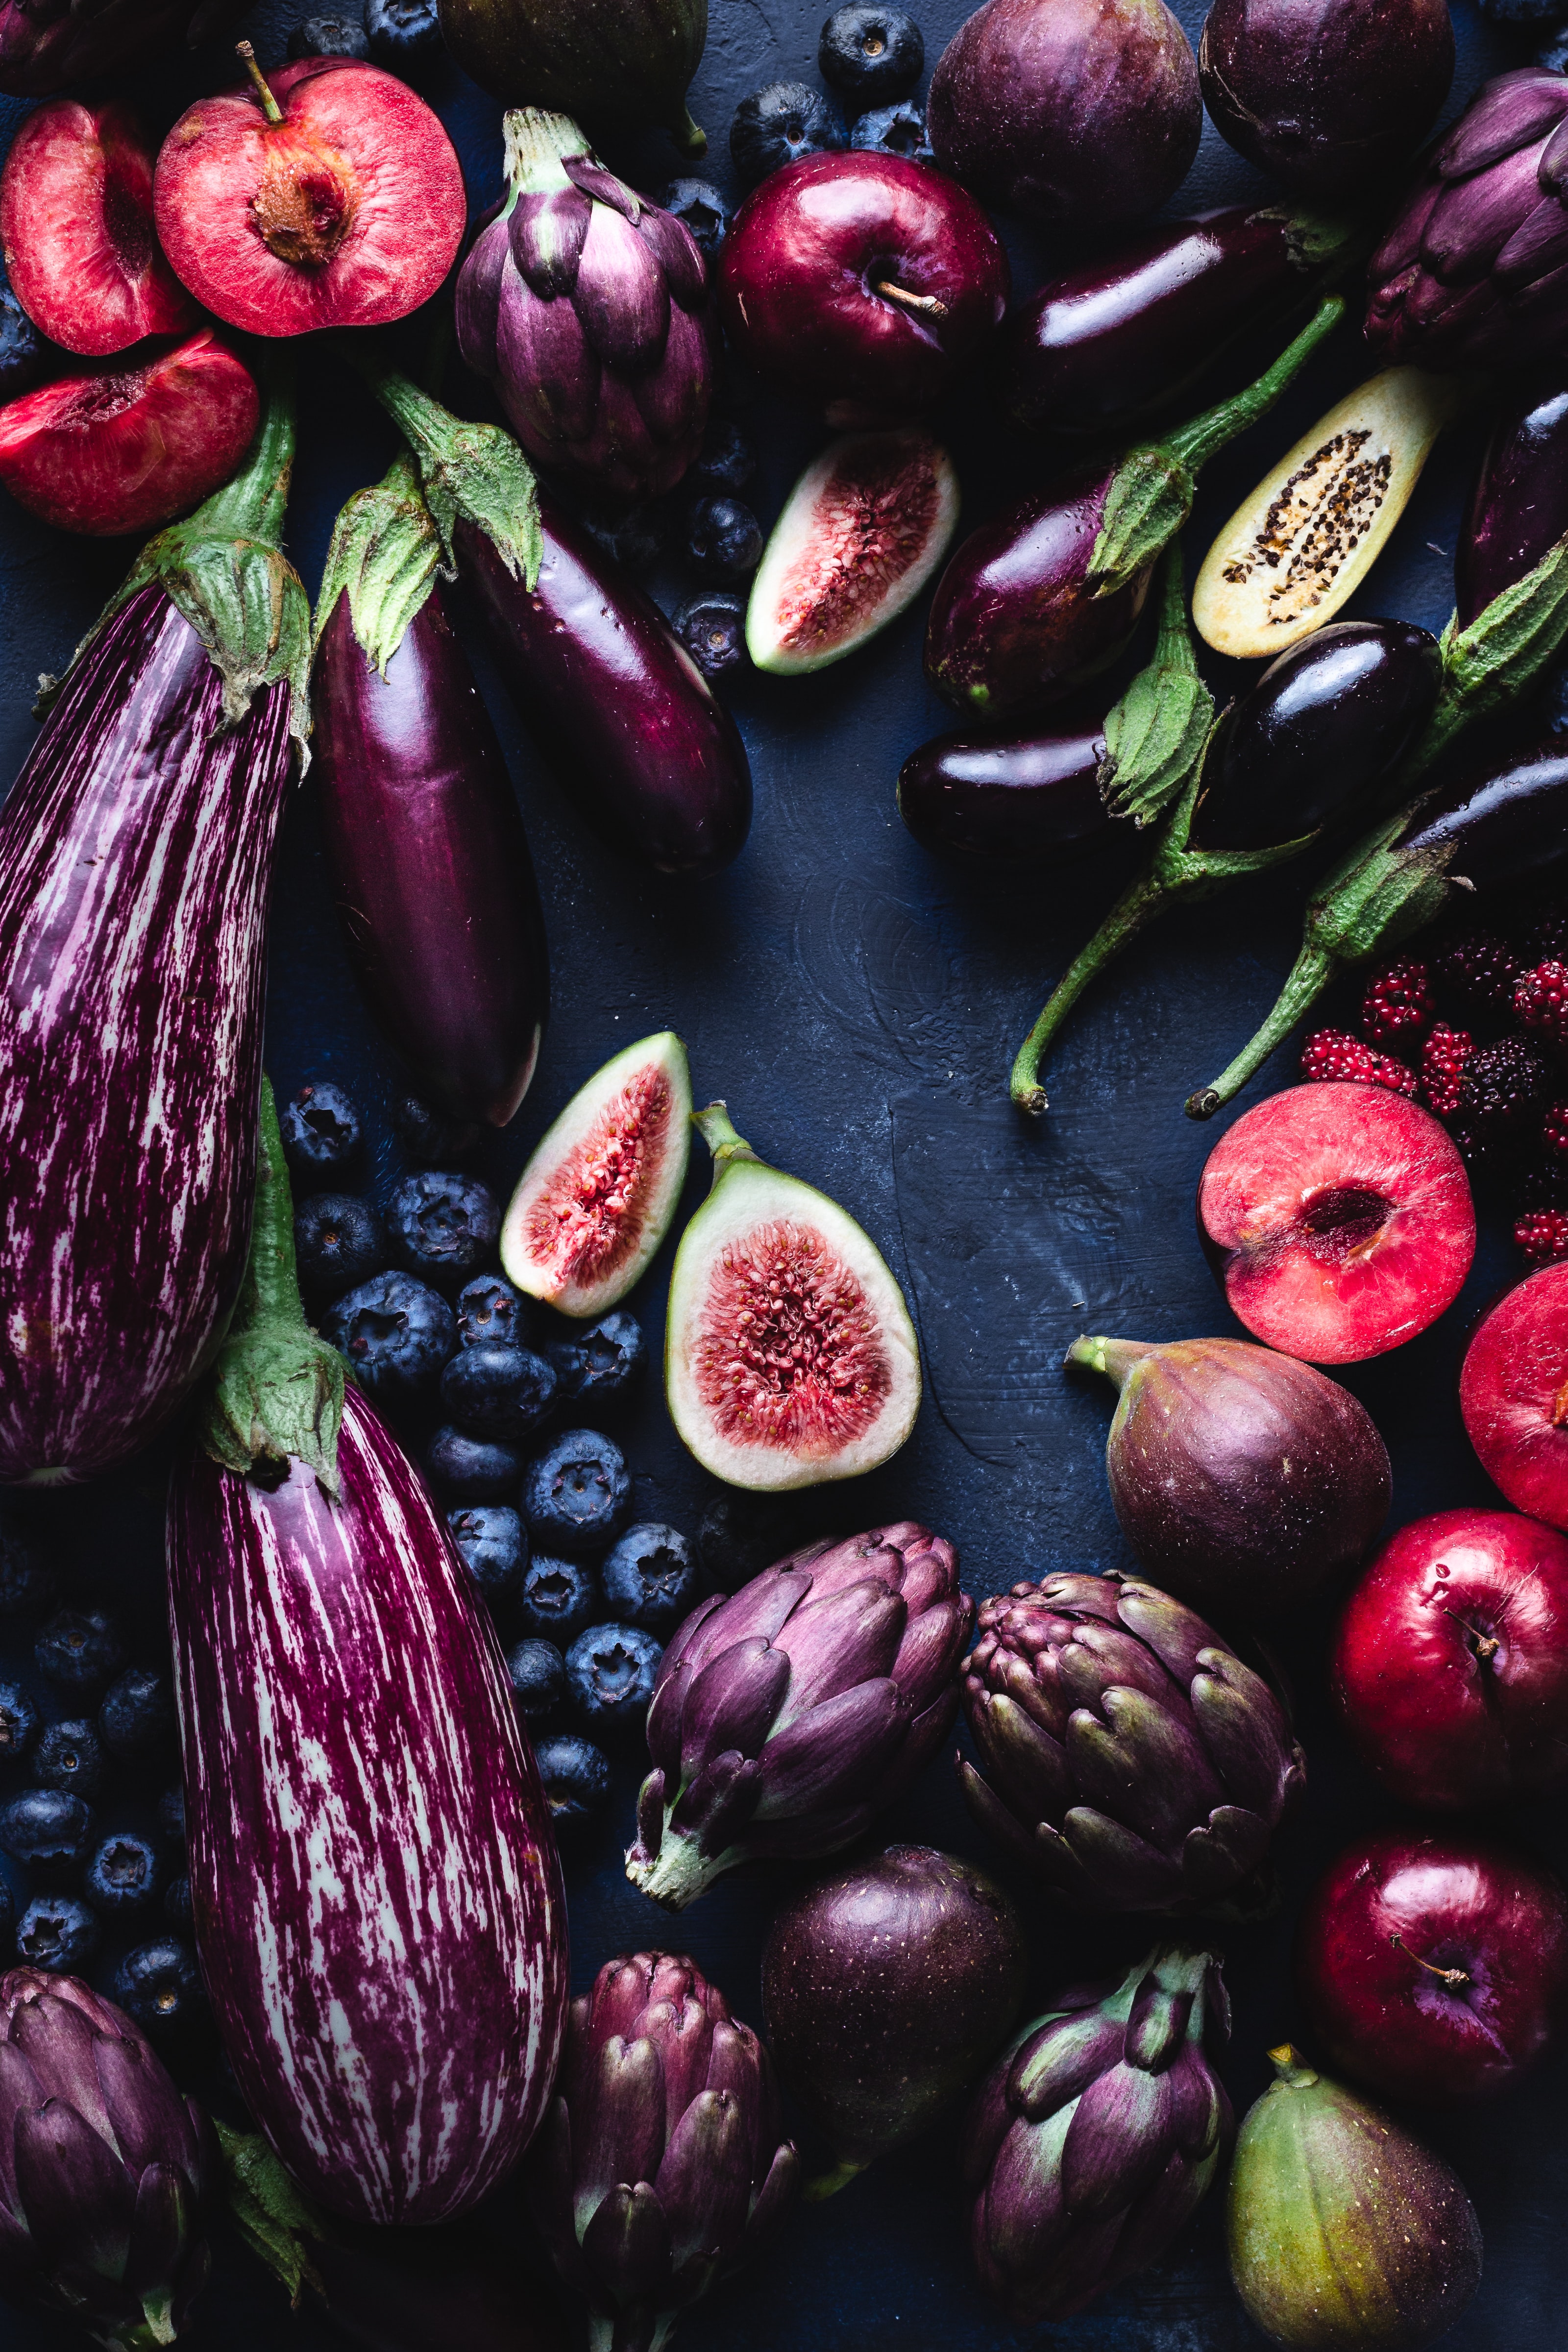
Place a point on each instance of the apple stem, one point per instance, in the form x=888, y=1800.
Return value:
x=927, y=304
x=1487, y=1644
x=1452, y=1978
x=269, y=106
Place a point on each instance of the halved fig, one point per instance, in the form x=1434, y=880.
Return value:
x=76, y=224
x=115, y=450
x=789, y=1357
x=596, y=1198
x=1302, y=543
x=862, y=532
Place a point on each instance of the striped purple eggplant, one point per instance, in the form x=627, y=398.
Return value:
x=136, y=856
x=431, y=868
x=377, y=1898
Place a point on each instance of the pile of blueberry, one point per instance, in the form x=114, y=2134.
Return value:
x=396, y=34
x=493, y=1405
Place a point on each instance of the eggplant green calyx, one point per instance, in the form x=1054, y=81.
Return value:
x=384, y=555
x=470, y=473
x=278, y=1391
x=224, y=569
x=1151, y=489
x=1155, y=737
x=1504, y=650
x=1321, y=241
x=270, y=2211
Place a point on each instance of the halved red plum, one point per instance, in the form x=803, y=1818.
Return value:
x=1513, y=1394
x=328, y=197
x=76, y=222
x=116, y=449
x=1338, y=1221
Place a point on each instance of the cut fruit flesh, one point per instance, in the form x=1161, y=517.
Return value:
x=1292, y=552
x=1513, y=1394
x=862, y=532
x=599, y=1193
x=76, y=221
x=790, y=1358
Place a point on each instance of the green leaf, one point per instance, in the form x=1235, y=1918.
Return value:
x=384, y=555
x=1156, y=735
x=271, y=2212
x=471, y=472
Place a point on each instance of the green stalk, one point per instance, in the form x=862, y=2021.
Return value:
x=277, y=1395
x=470, y=473
x=1151, y=489
x=1490, y=663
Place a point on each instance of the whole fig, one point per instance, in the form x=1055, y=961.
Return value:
x=1343, y=2230
x=1243, y=1481
x=885, y=1989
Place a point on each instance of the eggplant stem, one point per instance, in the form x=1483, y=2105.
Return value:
x=269, y=106
x=1453, y=1977
x=927, y=304
x=1310, y=976
x=1192, y=445
x=1136, y=907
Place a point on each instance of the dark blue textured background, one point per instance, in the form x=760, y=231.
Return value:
x=859, y=1006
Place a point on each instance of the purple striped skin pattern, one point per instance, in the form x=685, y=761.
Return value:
x=378, y=1902
x=433, y=878
x=136, y=856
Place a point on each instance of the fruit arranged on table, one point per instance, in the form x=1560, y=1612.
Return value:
x=1329, y=98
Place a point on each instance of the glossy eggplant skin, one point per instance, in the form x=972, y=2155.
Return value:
x=1518, y=509
x=1508, y=824
x=1119, y=339
x=1013, y=627
x=621, y=708
x=1327, y=95
x=1027, y=799
x=434, y=882
x=1325, y=724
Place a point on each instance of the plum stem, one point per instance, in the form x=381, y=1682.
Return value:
x=269, y=106
x=927, y=304
x=1453, y=1977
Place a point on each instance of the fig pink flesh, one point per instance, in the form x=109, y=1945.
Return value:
x=1513, y=1393
x=870, y=526
x=789, y=1353
x=76, y=222
x=589, y=1216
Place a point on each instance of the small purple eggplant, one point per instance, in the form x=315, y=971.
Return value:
x=1327, y=95
x=1518, y=509
x=1026, y=799
x=885, y=1989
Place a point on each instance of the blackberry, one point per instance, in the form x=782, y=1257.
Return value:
x=1398, y=1009
x=1444, y=1057
x=1554, y=1133
x=1546, y=940
x=1503, y=1086
x=1480, y=969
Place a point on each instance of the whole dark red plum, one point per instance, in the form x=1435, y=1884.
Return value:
x=1068, y=110
x=1450, y=1663
x=1328, y=95
x=1435, y=1967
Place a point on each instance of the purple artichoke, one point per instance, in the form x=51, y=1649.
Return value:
x=659, y=2166
x=788, y=1715
x=1097, y=2133
x=104, y=2167
x=1135, y=1764
x=589, y=309
x=1474, y=270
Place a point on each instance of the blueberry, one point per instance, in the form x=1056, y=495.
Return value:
x=158, y=1985
x=727, y=459
x=322, y=1132
x=339, y=1240
x=489, y=1308
x=895, y=131
x=172, y=1815
x=178, y=1909
x=21, y=347
x=428, y=1134
x=576, y=1777
x=122, y=1875
x=18, y=1723
x=1526, y=12
x=1551, y=54
x=494, y=1548
x=57, y=1931
x=27, y=1582
x=394, y=1332
x=69, y=1757
x=577, y=1494
x=557, y=1598
x=472, y=1469
x=633, y=537
x=327, y=37
x=699, y=208
x=443, y=1225
x=712, y=628
x=79, y=1650
x=611, y=1671
x=47, y=1829
x=723, y=538
x=403, y=33
x=496, y=1392
x=137, y=1717
x=778, y=125
x=538, y=1674
x=872, y=54
x=651, y=1579
x=602, y=1361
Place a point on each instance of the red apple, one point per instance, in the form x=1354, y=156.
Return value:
x=1338, y=1221
x=1450, y=1663
x=118, y=449
x=1434, y=1967
x=76, y=222
x=863, y=280
x=1513, y=1393
x=346, y=210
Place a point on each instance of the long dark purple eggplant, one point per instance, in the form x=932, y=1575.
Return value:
x=378, y=1902
x=1117, y=340
x=1018, y=800
x=136, y=856
x=1519, y=508
x=624, y=713
x=433, y=876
